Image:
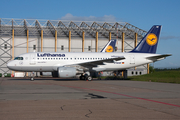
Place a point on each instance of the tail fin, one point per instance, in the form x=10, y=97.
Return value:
x=150, y=41
x=110, y=46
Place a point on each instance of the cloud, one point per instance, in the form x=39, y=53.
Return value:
x=105, y=18
x=170, y=37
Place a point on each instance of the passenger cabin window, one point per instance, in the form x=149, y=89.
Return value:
x=18, y=58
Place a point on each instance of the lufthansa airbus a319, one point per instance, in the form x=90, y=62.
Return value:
x=72, y=64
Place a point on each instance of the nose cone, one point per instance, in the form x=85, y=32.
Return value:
x=11, y=65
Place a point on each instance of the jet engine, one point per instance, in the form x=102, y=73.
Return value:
x=66, y=72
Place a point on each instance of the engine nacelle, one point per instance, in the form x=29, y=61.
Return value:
x=66, y=72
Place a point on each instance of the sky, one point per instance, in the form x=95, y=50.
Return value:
x=140, y=13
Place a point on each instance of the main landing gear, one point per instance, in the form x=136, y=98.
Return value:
x=85, y=77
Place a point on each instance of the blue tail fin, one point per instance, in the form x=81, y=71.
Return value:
x=110, y=46
x=150, y=41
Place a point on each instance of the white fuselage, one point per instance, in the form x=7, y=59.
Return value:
x=50, y=61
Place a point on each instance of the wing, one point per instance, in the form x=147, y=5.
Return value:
x=100, y=62
x=158, y=57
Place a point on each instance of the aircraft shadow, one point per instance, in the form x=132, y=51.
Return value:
x=43, y=78
x=64, y=79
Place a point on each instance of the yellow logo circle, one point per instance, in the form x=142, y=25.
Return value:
x=109, y=49
x=151, y=39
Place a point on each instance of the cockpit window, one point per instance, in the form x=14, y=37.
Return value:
x=18, y=58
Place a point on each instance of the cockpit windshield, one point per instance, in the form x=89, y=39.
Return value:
x=18, y=58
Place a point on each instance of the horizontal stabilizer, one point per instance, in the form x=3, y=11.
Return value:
x=158, y=57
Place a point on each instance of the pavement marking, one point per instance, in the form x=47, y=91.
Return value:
x=123, y=95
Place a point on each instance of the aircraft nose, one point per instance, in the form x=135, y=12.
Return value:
x=10, y=64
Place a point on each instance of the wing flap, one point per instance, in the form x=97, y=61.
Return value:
x=101, y=62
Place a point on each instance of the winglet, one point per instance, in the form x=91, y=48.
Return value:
x=110, y=46
x=150, y=41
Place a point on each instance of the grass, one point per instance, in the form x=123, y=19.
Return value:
x=169, y=76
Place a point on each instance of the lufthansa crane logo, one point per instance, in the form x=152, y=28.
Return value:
x=109, y=49
x=151, y=39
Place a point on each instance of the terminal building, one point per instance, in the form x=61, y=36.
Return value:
x=19, y=36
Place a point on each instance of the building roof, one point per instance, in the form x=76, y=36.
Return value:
x=63, y=27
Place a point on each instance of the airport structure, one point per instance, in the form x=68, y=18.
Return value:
x=19, y=36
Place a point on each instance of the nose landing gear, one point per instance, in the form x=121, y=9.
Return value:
x=32, y=76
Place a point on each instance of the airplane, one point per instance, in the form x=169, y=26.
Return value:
x=109, y=47
x=64, y=64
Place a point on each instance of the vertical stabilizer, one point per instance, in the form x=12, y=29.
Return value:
x=110, y=46
x=150, y=41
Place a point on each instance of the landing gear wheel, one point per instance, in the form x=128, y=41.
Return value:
x=32, y=76
x=89, y=78
x=32, y=79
